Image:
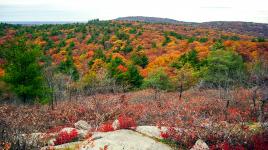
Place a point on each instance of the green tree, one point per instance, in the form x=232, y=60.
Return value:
x=113, y=70
x=235, y=38
x=98, y=54
x=157, y=80
x=224, y=69
x=62, y=43
x=72, y=45
x=166, y=41
x=129, y=76
x=133, y=76
x=50, y=44
x=191, y=58
x=128, y=48
x=259, y=39
x=191, y=39
x=23, y=72
x=218, y=46
x=133, y=31
x=139, y=59
x=69, y=68
x=203, y=40
x=122, y=35
x=176, y=35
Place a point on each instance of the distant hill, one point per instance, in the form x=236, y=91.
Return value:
x=249, y=28
x=149, y=19
x=39, y=22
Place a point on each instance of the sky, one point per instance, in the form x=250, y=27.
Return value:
x=182, y=10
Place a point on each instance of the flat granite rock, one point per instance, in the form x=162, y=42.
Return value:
x=123, y=140
x=151, y=131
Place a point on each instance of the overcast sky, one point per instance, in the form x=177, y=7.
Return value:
x=182, y=10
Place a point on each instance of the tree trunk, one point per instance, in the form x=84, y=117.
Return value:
x=226, y=109
x=52, y=100
x=254, y=97
x=180, y=92
x=24, y=99
x=261, y=108
x=70, y=95
x=155, y=94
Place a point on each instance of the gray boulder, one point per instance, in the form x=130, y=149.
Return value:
x=82, y=125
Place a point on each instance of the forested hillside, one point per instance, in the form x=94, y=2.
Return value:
x=202, y=73
x=248, y=28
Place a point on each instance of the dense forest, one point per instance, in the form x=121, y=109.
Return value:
x=174, y=74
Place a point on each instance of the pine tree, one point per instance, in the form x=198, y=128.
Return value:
x=23, y=72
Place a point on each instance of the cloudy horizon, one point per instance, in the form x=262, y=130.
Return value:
x=182, y=10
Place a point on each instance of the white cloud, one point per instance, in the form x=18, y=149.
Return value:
x=185, y=10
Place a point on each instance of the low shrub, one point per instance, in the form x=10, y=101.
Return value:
x=126, y=122
x=106, y=127
x=66, y=137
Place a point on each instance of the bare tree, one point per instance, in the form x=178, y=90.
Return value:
x=49, y=74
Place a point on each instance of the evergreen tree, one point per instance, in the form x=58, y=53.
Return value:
x=23, y=72
x=133, y=76
x=140, y=59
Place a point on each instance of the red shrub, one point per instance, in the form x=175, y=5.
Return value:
x=260, y=141
x=171, y=134
x=226, y=146
x=65, y=137
x=106, y=127
x=126, y=122
x=164, y=135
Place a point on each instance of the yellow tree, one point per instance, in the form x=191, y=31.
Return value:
x=186, y=77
